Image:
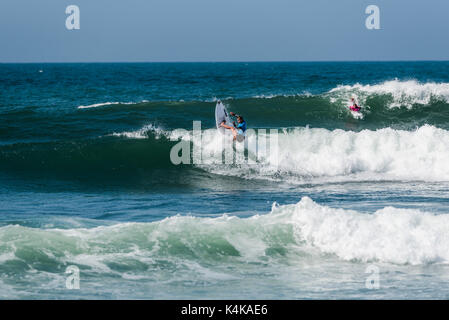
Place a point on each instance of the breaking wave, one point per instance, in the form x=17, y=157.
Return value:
x=297, y=154
x=289, y=232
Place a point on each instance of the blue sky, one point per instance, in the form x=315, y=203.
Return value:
x=223, y=30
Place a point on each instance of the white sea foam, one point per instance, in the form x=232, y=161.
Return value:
x=304, y=154
x=402, y=236
x=103, y=104
x=403, y=93
x=141, y=133
x=96, y=105
x=390, y=235
x=286, y=95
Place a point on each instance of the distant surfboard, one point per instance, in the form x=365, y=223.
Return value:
x=221, y=114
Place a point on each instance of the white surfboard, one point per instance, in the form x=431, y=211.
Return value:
x=221, y=114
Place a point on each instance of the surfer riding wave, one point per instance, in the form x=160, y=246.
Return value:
x=354, y=107
x=238, y=130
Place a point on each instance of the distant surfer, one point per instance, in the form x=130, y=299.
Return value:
x=238, y=130
x=354, y=107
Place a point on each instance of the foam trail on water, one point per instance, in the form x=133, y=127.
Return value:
x=103, y=104
x=98, y=105
x=141, y=133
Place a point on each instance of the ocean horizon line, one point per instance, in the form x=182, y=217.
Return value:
x=220, y=61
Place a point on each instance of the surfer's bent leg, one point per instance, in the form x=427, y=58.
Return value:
x=234, y=133
x=234, y=130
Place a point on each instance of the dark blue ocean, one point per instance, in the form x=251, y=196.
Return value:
x=87, y=181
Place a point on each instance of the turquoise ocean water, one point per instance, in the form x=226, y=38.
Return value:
x=86, y=180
